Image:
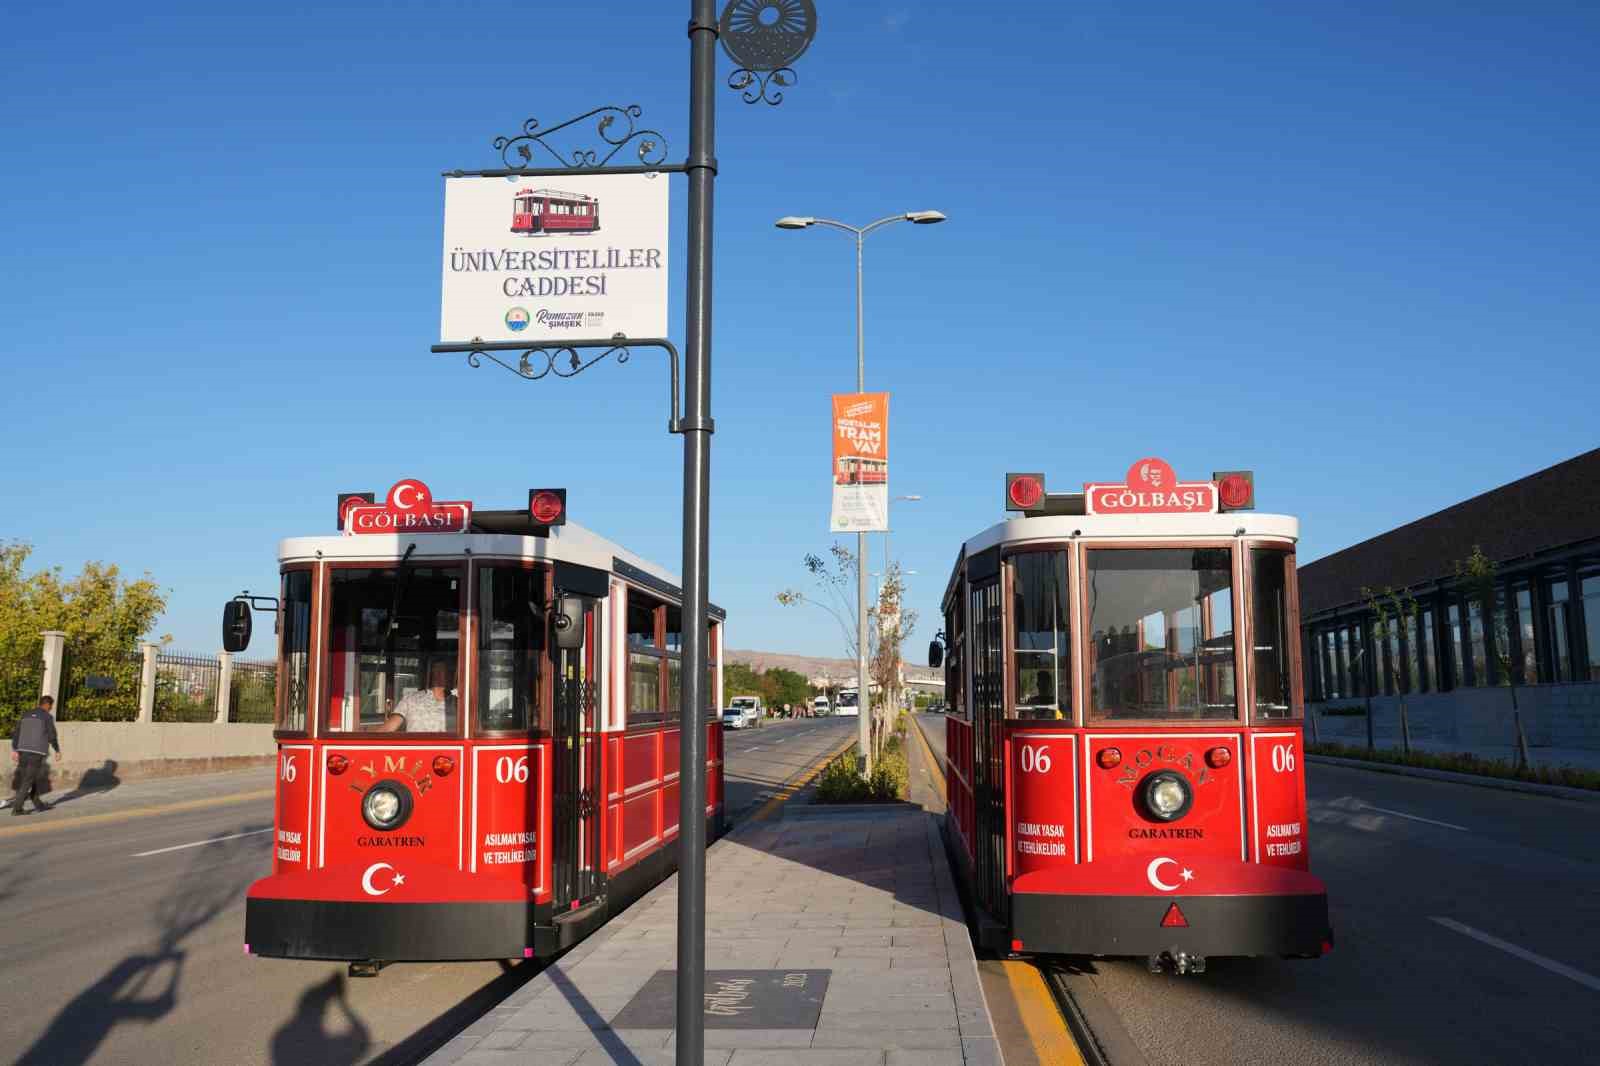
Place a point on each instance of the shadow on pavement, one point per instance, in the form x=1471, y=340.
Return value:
x=598, y=1026
x=142, y=988
x=101, y=778
x=308, y=1038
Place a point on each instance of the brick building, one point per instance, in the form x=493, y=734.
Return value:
x=1540, y=628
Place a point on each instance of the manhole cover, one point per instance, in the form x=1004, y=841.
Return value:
x=735, y=999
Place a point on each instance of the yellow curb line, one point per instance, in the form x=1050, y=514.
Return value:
x=1052, y=1042
x=933, y=761
x=1036, y=1007
x=137, y=812
x=796, y=784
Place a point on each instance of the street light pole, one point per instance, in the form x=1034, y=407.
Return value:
x=863, y=682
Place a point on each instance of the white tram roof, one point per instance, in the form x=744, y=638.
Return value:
x=1134, y=527
x=569, y=543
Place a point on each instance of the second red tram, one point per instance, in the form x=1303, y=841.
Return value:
x=1126, y=764
x=478, y=733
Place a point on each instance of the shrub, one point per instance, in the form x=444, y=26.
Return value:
x=841, y=781
x=1466, y=763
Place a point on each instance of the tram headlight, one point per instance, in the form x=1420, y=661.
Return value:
x=1167, y=795
x=386, y=805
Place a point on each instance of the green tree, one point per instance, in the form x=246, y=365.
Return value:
x=787, y=687
x=1477, y=571
x=740, y=680
x=103, y=615
x=1390, y=610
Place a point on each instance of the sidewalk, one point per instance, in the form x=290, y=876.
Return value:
x=846, y=929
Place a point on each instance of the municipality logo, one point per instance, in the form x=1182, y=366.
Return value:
x=517, y=319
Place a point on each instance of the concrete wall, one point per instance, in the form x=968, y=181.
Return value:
x=157, y=749
x=1474, y=719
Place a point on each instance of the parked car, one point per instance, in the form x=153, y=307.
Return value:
x=742, y=711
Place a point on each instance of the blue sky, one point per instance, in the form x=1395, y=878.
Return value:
x=1348, y=245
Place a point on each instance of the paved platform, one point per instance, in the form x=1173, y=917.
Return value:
x=860, y=900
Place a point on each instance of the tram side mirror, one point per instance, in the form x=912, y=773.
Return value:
x=567, y=622
x=935, y=654
x=235, y=626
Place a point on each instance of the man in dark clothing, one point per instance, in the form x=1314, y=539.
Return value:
x=31, y=741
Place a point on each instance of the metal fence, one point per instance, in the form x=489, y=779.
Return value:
x=254, y=693
x=100, y=686
x=186, y=687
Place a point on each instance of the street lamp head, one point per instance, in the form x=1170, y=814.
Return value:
x=912, y=496
x=921, y=218
x=795, y=222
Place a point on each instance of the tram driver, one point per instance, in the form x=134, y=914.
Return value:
x=423, y=710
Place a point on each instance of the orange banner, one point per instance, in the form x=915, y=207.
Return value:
x=860, y=462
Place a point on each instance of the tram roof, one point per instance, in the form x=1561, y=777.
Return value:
x=1135, y=527
x=569, y=543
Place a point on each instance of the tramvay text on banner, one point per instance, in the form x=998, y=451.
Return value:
x=547, y=259
x=860, y=463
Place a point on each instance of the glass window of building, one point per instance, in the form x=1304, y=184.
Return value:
x=1458, y=662
x=1479, y=676
x=1271, y=570
x=1408, y=628
x=1161, y=633
x=1330, y=661
x=1527, y=647
x=1041, y=659
x=1394, y=666
x=1557, y=613
x=511, y=648
x=393, y=644
x=1427, y=659
x=296, y=650
x=1590, y=587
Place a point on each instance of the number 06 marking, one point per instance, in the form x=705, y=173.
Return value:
x=1283, y=758
x=1035, y=760
x=507, y=770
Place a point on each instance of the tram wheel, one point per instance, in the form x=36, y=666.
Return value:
x=367, y=968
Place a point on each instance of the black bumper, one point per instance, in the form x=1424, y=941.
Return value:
x=1131, y=925
x=393, y=932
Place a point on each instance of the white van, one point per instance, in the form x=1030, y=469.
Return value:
x=742, y=711
x=820, y=707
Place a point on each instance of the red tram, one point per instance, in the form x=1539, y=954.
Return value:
x=478, y=733
x=1125, y=759
x=538, y=211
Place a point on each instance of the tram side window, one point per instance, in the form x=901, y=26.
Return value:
x=392, y=650
x=644, y=661
x=1042, y=656
x=1161, y=633
x=296, y=670
x=1270, y=632
x=511, y=649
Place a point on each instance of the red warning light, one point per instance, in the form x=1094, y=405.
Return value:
x=1236, y=489
x=548, y=507
x=1174, y=919
x=1024, y=491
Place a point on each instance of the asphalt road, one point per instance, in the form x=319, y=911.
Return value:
x=122, y=945
x=1468, y=930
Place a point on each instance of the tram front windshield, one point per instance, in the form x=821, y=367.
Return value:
x=393, y=638
x=1161, y=633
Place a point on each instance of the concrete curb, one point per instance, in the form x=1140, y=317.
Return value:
x=1504, y=784
x=979, y=1044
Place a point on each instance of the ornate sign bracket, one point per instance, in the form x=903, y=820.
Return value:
x=564, y=361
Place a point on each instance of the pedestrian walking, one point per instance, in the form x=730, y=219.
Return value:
x=31, y=742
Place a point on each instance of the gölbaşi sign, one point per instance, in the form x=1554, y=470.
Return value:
x=542, y=259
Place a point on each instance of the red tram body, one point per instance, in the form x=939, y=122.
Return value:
x=1125, y=762
x=477, y=734
x=541, y=211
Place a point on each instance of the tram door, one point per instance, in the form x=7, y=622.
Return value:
x=575, y=814
x=985, y=623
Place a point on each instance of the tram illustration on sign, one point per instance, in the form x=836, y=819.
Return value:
x=541, y=212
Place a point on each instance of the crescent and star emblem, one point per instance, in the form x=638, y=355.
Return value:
x=1155, y=878
x=400, y=490
x=399, y=879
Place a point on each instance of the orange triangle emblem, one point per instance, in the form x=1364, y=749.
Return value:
x=1174, y=919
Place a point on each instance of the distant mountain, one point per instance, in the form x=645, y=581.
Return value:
x=816, y=667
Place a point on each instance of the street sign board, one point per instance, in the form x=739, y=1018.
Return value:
x=860, y=463
x=547, y=259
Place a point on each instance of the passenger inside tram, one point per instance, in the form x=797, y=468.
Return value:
x=422, y=710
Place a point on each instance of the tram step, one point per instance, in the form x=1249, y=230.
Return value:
x=569, y=928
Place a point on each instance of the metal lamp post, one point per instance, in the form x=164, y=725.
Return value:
x=921, y=218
